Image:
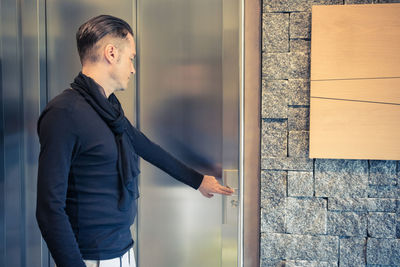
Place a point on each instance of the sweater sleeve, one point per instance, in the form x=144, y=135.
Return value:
x=57, y=147
x=157, y=156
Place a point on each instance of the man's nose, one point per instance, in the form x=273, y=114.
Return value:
x=133, y=71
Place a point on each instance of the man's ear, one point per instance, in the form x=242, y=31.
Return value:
x=110, y=53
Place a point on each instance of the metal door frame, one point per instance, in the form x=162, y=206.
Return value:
x=252, y=130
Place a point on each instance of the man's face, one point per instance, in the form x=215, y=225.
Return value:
x=124, y=67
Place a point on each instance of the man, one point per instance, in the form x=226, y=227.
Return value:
x=88, y=162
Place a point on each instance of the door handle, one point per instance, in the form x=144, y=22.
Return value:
x=230, y=204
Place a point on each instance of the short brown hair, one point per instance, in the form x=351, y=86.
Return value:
x=90, y=32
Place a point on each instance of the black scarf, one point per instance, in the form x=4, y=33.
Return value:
x=111, y=112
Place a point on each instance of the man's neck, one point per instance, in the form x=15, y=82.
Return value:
x=101, y=79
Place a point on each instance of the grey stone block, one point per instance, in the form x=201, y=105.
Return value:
x=381, y=204
x=299, y=65
x=383, y=191
x=275, y=32
x=273, y=215
x=313, y=248
x=300, y=263
x=275, y=247
x=347, y=204
x=281, y=66
x=298, y=92
x=341, y=178
x=300, y=45
x=386, y=1
x=352, y=2
x=298, y=118
x=300, y=25
x=275, y=5
x=298, y=143
x=274, y=144
x=383, y=251
x=269, y=203
x=271, y=263
x=398, y=218
x=352, y=251
x=380, y=265
x=300, y=184
x=326, y=2
x=275, y=66
x=398, y=174
x=274, y=99
x=272, y=248
x=290, y=164
x=382, y=172
x=268, y=125
x=382, y=225
x=306, y=216
x=361, y=204
x=295, y=5
x=347, y=224
x=273, y=184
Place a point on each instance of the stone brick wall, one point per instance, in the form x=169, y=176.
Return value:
x=315, y=212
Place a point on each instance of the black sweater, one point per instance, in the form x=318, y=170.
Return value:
x=78, y=185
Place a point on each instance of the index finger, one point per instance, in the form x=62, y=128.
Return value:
x=227, y=189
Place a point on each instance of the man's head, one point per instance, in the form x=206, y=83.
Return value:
x=107, y=43
x=91, y=32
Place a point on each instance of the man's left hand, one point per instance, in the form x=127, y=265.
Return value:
x=210, y=185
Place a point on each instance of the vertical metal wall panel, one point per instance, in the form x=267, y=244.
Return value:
x=23, y=67
x=31, y=111
x=12, y=176
x=2, y=181
x=63, y=20
x=180, y=108
x=231, y=121
x=20, y=237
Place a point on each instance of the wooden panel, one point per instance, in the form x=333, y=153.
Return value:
x=375, y=90
x=355, y=41
x=354, y=130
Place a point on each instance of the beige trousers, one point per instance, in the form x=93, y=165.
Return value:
x=126, y=260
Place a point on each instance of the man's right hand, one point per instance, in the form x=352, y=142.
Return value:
x=210, y=185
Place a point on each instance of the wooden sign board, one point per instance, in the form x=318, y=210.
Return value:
x=355, y=82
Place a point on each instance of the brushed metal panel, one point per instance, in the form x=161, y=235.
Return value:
x=354, y=130
x=20, y=98
x=373, y=90
x=182, y=107
x=231, y=70
x=31, y=110
x=62, y=63
x=2, y=181
x=11, y=178
x=63, y=20
x=251, y=129
x=355, y=41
